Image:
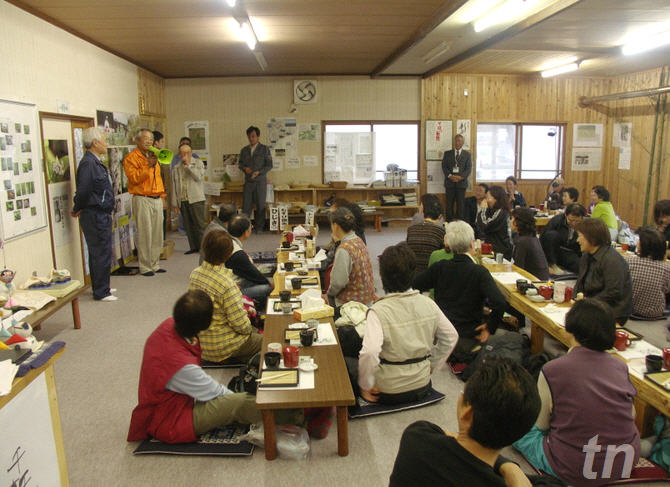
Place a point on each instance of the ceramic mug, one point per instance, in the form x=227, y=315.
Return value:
x=621, y=341
x=487, y=248
x=654, y=363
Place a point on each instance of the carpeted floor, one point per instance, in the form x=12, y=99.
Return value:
x=97, y=378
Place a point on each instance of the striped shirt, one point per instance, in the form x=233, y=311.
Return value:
x=424, y=239
x=230, y=326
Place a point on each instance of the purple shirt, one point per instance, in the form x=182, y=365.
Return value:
x=592, y=396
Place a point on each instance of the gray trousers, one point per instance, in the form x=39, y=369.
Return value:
x=254, y=195
x=194, y=222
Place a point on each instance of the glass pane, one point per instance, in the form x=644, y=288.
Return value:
x=495, y=151
x=540, y=151
x=397, y=144
x=348, y=128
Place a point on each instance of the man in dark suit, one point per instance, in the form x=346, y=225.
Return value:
x=256, y=161
x=559, y=240
x=93, y=204
x=456, y=166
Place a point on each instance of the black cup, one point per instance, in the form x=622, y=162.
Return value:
x=522, y=285
x=654, y=363
x=307, y=337
x=285, y=244
x=284, y=296
x=288, y=266
x=296, y=283
x=272, y=359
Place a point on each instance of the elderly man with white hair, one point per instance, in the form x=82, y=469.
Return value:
x=462, y=288
x=93, y=204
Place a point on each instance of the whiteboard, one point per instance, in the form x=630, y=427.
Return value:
x=349, y=156
x=22, y=203
x=28, y=444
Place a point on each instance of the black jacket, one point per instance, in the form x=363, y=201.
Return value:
x=461, y=290
x=94, y=186
x=605, y=276
x=494, y=227
x=559, y=224
x=464, y=168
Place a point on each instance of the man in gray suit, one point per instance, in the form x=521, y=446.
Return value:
x=256, y=161
x=456, y=165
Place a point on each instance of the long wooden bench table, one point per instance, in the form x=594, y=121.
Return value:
x=650, y=397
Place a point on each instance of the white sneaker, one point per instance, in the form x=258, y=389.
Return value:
x=112, y=290
x=110, y=298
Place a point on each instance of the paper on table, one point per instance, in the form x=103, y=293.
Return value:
x=32, y=299
x=325, y=334
x=638, y=349
x=271, y=307
x=320, y=255
x=296, y=256
x=489, y=260
x=7, y=373
x=556, y=313
x=305, y=381
x=507, y=277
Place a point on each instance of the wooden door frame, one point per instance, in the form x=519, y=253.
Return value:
x=71, y=118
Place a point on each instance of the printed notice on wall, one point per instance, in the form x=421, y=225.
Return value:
x=586, y=159
x=587, y=135
x=463, y=128
x=434, y=177
x=622, y=134
x=310, y=161
x=624, y=158
x=438, y=138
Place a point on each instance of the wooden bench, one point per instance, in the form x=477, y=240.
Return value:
x=36, y=318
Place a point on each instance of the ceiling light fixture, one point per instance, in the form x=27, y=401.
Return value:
x=642, y=44
x=248, y=35
x=436, y=52
x=503, y=13
x=566, y=68
x=261, y=60
x=231, y=3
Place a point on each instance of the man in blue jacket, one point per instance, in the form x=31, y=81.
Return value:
x=255, y=161
x=93, y=204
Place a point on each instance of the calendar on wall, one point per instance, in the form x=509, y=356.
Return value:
x=22, y=201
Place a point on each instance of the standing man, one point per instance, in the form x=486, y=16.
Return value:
x=256, y=161
x=159, y=143
x=188, y=196
x=93, y=204
x=456, y=166
x=146, y=186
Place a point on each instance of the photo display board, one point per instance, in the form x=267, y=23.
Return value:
x=22, y=201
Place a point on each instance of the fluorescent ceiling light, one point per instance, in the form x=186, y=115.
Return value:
x=435, y=52
x=231, y=3
x=503, y=13
x=557, y=63
x=261, y=60
x=642, y=44
x=566, y=68
x=247, y=33
x=474, y=9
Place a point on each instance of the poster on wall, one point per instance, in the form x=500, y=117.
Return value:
x=61, y=222
x=309, y=132
x=586, y=159
x=57, y=161
x=22, y=203
x=438, y=138
x=434, y=177
x=463, y=128
x=622, y=134
x=282, y=140
x=121, y=132
x=198, y=132
x=624, y=158
x=587, y=135
x=349, y=156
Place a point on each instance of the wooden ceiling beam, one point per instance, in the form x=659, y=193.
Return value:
x=447, y=9
x=517, y=28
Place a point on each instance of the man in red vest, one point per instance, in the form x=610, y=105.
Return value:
x=177, y=400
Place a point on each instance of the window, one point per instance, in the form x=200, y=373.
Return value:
x=394, y=143
x=527, y=151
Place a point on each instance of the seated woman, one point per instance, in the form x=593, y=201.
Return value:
x=528, y=252
x=662, y=218
x=351, y=277
x=585, y=433
x=603, y=209
x=398, y=355
x=462, y=288
x=493, y=220
x=603, y=273
x=230, y=335
x=426, y=237
x=515, y=198
x=650, y=275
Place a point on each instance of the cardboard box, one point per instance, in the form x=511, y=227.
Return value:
x=168, y=248
x=323, y=312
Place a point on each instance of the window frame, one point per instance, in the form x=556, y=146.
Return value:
x=518, y=146
x=371, y=124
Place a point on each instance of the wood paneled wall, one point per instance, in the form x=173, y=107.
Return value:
x=505, y=98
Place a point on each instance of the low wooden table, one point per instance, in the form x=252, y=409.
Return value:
x=280, y=282
x=650, y=397
x=36, y=318
x=331, y=387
